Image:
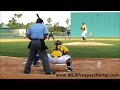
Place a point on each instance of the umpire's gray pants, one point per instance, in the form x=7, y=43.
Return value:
x=36, y=48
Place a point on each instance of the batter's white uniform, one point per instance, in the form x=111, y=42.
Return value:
x=59, y=60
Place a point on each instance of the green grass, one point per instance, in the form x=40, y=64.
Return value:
x=19, y=49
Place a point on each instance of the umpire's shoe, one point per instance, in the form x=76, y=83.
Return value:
x=27, y=72
x=52, y=72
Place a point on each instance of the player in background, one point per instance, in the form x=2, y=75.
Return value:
x=84, y=31
x=68, y=34
x=51, y=35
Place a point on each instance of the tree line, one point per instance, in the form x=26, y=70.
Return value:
x=15, y=24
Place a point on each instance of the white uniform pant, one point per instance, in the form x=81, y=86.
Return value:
x=84, y=33
x=59, y=60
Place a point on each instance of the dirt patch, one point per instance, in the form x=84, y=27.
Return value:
x=92, y=39
x=87, y=44
x=85, y=68
x=13, y=40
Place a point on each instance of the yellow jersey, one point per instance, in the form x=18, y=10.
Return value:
x=61, y=50
x=84, y=27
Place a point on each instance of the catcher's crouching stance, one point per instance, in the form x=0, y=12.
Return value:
x=58, y=55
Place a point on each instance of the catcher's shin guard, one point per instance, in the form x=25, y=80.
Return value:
x=68, y=62
x=69, y=65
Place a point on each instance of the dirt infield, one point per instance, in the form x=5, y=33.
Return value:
x=21, y=40
x=90, y=43
x=85, y=68
x=87, y=44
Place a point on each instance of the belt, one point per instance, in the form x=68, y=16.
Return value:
x=37, y=39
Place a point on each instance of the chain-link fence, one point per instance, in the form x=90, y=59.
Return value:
x=20, y=33
x=12, y=33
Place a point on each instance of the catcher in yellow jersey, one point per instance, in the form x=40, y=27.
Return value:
x=58, y=55
x=84, y=31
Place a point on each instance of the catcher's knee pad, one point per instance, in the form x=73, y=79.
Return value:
x=69, y=60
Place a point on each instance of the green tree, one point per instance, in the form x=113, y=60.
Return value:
x=28, y=25
x=1, y=24
x=15, y=15
x=56, y=27
x=62, y=29
x=18, y=16
x=49, y=23
x=12, y=23
x=49, y=20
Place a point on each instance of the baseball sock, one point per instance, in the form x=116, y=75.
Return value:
x=68, y=62
x=83, y=38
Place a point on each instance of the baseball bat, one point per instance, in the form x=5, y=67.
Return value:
x=38, y=16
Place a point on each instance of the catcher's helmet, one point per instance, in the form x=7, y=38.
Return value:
x=58, y=42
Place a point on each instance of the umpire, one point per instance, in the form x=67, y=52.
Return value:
x=37, y=33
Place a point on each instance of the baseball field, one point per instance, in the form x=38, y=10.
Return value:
x=98, y=58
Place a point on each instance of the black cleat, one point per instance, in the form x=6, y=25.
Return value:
x=52, y=72
x=70, y=70
x=26, y=72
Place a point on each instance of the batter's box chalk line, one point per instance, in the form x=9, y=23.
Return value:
x=54, y=64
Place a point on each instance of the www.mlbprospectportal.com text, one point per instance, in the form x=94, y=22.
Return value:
x=88, y=75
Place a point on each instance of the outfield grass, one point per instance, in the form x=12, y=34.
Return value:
x=19, y=49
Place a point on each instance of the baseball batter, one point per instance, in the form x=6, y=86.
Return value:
x=84, y=31
x=51, y=35
x=59, y=55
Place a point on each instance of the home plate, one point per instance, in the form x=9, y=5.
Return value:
x=24, y=63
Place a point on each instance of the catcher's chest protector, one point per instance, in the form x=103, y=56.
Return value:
x=57, y=52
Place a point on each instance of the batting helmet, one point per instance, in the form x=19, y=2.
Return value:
x=39, y=20
x=58, y=42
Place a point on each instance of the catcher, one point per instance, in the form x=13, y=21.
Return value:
x=84, y=31
x=58, y=55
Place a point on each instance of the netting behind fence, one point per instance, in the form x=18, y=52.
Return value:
x=11, y=33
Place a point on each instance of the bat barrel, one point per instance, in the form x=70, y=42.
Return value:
x=37, y=15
